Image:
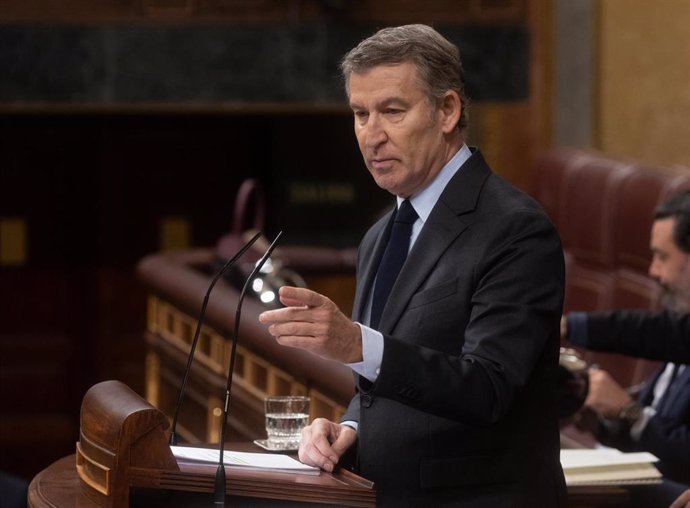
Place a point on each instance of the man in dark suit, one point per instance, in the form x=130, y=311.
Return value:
x=456, y=367
x=658, y=421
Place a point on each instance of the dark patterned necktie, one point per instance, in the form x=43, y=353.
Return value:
x=393, y=258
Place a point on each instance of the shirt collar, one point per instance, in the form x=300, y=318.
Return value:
x=425, y=200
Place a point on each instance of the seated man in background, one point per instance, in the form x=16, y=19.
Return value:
x=659, y=420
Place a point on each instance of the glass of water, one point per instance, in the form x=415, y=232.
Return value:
x=285, y=418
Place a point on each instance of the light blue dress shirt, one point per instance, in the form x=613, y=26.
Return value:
x=423, y=202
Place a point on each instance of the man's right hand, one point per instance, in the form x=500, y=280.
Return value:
x=605, y=396
x=324, y=442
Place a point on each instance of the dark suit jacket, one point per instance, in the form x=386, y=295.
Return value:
x=463, y=412
x=662, y=336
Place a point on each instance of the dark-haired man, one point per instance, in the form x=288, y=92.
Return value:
x=658, y=421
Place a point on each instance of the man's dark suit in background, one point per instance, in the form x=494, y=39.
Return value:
x=661, y=336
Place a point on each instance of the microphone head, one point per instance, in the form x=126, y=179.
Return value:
x=266, y=282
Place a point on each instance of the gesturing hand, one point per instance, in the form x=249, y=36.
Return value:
x=312, y=322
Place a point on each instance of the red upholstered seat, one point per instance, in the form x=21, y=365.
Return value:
x=602, y=208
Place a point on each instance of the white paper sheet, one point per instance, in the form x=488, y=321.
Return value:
x=268, y=461
x=607, y=466
x=577, y=458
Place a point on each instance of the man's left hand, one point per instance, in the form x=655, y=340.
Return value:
x=312, y=322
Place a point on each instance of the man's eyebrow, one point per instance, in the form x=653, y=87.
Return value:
x=393, y=101
x=388, y=101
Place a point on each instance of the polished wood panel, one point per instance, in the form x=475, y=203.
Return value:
x=57, y=486
x=170, y=333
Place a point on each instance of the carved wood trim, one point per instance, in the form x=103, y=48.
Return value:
x=255, y=377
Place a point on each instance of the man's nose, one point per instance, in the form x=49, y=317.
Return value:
x=375, y=133
x=654, y=270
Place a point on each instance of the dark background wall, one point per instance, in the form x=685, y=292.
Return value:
x=295, y=63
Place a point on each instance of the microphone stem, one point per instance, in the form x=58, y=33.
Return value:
x=192, y=349
x=219, y=498
x=219, y=488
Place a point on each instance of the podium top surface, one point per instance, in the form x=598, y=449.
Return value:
x=58, y=486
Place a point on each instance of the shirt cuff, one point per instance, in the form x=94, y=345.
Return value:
x=351, y=423
x=372, y=353
x=577, y=328
x=638, y=427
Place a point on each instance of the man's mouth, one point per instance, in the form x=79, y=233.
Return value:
x=381, y=163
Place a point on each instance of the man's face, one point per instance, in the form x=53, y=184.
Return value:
x=670, y=266
x=400, y=133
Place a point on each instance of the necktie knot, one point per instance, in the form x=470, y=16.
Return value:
x=406, y=213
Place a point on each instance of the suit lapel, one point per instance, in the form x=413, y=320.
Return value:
x=449, y=218
x=670, y=400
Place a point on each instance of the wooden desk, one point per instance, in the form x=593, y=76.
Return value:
x=591, y=496
x=57, y=486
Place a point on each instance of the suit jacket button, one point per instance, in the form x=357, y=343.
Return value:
x=366, y=400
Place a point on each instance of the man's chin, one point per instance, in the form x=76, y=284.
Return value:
x=386, y=182
x=675, y=302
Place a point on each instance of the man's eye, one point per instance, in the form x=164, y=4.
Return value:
x=361, y=114
x=395, y=115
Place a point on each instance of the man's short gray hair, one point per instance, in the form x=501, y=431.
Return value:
x=437, y=60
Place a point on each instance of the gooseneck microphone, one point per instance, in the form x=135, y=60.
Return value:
x=219, y=490
x=200, y=321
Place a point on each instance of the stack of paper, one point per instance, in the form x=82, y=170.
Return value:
x=608, y=466
x=268, y=461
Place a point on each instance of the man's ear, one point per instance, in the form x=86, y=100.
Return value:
x=450, y=107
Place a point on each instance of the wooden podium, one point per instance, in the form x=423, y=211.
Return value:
x=123, y=459
x=123, y=446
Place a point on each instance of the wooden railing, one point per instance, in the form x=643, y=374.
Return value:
x=262, y=367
